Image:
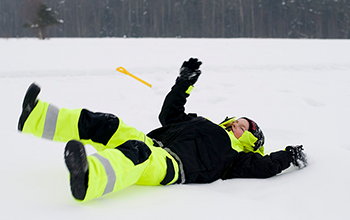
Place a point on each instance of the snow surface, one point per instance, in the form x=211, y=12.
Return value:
x=297, y=90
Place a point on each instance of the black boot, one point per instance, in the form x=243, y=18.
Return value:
x=76, y=162
x=29, y=102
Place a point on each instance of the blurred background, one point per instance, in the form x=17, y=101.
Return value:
x=323, y=19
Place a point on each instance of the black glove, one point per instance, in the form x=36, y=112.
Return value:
x=298, y=156
x=190, y=71
x=193, y=64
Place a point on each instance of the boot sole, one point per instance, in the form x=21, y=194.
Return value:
x=31, y=94
x=76, y=162
x=29, y=102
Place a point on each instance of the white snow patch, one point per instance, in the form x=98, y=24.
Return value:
x=297, y=90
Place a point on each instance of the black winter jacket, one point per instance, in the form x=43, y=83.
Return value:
x=204, y=148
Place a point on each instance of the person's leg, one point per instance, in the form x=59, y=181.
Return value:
x=111, y=170
x=109, y=135
x=101, y=130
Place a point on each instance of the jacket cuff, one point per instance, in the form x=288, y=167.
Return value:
x=189, y=89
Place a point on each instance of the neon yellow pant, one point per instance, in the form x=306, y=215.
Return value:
x=110, y=169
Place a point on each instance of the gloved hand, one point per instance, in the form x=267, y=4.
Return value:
x=193, y=64
x=190, y=71
x=298, y=156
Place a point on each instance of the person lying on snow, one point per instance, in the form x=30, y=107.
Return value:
x=186, y=149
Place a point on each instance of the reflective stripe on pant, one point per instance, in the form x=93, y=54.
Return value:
x=113, y=169
x=50, y=122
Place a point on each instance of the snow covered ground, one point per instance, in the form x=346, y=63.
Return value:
x=297, y=90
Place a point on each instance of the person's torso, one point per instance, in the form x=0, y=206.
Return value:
x=205, y=149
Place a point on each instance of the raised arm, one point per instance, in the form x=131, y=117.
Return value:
x=173, y=109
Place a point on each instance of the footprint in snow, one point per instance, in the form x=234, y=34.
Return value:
x=314, y=103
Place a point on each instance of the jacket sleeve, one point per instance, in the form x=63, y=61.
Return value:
x=254, y=165
x=173, y=109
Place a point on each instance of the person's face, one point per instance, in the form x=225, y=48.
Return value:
x=238, y=127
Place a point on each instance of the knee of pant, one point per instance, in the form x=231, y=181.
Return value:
x=137, y=151
x=99, y=127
